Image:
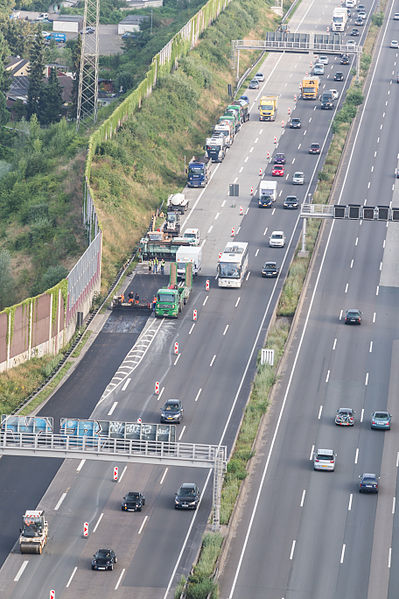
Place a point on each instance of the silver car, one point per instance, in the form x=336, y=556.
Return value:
x=277, y=239
x=324, y=459
x=298, y=178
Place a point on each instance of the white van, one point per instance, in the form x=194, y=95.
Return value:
x=350, y=3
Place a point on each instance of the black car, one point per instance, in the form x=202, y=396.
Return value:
x=314, y=148
x=187, y=497
x=279, y=158
x=338, y=76
x=344, y=59
x=353, y=316
x=104, y=559
x=133, y=502
x=355, y=32
x=270, y=270
x=291, y=203
x=172, y=411
x=368, y=483
x=295, y=123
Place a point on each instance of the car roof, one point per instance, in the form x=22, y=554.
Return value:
x=368, y=475
x=299, y=173
x=326, y=451
x=270, y=263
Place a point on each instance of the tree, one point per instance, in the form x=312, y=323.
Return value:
x=36, y=71
x=50, y=101
x=6, y=280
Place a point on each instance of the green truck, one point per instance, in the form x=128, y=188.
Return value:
x=172, y=299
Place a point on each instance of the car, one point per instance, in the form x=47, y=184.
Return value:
x=270, y=270
x=172, y=411
x=277, y=239
x=298, y=178
x=360, y=7
x=129, y=35
x=318, y=69
x=245, y=98
x=43, y=17
x=314, y=148
x=187, y=497
x=394, y=44
x=344, y=59
x=350, y=44
x=260, y=77
x=104, y=559
x=396, y=16
x=362, y=15
x=133, y=501
x=345, y=417
x=368, y=483
x=355, y=32
x=295, y=123
x=339, y=76
x=381, y=420
x=353, y=316
x=324, y=459
x=254, y=84
x=349, y=12
x=334, y=93
x=327, y=101
x=90, y=30
x=323, y=59
x=279, y=158
x=278, y=170
x=291, y=203
x=359, y=22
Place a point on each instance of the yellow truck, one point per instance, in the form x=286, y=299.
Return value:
x=268, y=108
x=310, y=88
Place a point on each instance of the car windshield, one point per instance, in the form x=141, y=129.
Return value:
x=368, y=480
x=171, y=407
x=277, y=236
x=324, y=457
x=381, y=415
x=187, y=492
x=165, y=298
x=229, y=269
x=270, y=265
x=353, y=314
x=198, y=170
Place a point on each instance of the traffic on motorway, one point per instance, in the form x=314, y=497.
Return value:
x=211, y=376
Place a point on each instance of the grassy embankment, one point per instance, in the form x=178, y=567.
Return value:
x=201, y=583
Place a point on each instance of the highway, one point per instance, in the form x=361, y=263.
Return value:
x=324, y=539
x=212, y=376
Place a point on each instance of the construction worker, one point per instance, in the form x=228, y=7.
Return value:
x=150, y=265
x=154, y=303
x=162, y=266
x=131, y=296
x=137, y=298
x=155, y=265
x=122, y=298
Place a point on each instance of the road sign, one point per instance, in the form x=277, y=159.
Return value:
x=207, y=285
x=252, y=190
x=52, y=594
x=156, y=390
x=176, y=348
x=85, y=529
x=241, y=213
x=115, y=475
x=260, y=172
x=194, y=314
x=233, y=232
x=267, y=356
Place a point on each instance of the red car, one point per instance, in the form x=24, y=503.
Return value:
x=278, y=170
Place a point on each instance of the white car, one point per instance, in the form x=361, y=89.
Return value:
x=350, y=44
x=260, y=77
x=334, y=93
x=396, y=16
x=323, y=59
x=324, y=459
x=277, y=239
x=395, y=44
x=298, y=178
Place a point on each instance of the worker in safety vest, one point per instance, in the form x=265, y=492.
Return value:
x=162, y=266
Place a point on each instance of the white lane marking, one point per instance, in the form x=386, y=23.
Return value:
x=362, y=415
x=126, y=384
x=280, y=192
x=247, y=277
x=340, y=315
x=113, y=408
x=357, y=240
x=372, y=168
x=205, y=300
x=237, y=302
x=257, y=252
x=251, y=149
x=274, y=210
x=293, y=160
x=328, y=376
x=292, y=549
x=389, y=557
x=241, y=169
x=375, y=153
x=381, y=126
x=142, y=525
x=98, y=521
x=383, y=244
x=163, y=475
x=61, y=499
x=246, y=159
x=303, y=498
x=123, y=474
x=191, y=328
x=311, y=453
x=225, y=329
x=378, y=140
x=299, y=147
x=182, y=432
x=177, y=359
x=223, y=204
x=380, y=266
x=371, y=347
x=256, y=140
x=238, y=230
x=81, y=463
x=393, y=504
x=341, y=561
x=217, y=215
x=213, y=359
x=351, y=266
x=160, y=394
x=366, y=382
x=21, y=570
x=120, y=577
x=210, y=229
x=374, y=316
x=356, y=455
x=235, y=180
x=350, y=502
x=320, y=411
x=397, y=459
x=305, y=132
x=377, y=291
x=71, y=577
x=198, y=394
x=346, y=288
x=310, y=119
x=334, y=344
x=265, y=231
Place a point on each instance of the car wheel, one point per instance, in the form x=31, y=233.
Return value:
x=115, y=560
x=93, y=567
x=111, y=567
x=139, y=509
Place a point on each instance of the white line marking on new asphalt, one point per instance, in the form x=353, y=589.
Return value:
x=198, y=394
x=303, y=498
x=320, y=411
x=334, y=344
x=81, y=464
x=205, y=300
x=328, y=376
x=342, y=554
x=61, y=499
x=123, y=473
x=182, y=432
x=98, y=521
x=292, y=549
x=225, y=329
x=163, y=476
x=311, y=453
x=160, y=393
x=71, y=577
x=371, y=347
x=113, y=408
x=366, y=382
x=362, y=415
x=191, y=328
x=213, y=359
x=374, y=316
x=126, y=384
x=389, y=557
x=356, y=455
x=237, y=302
x=393, y=504
x=120, y=577
x=350, y=502
x=142, y=525
x=21, y=570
